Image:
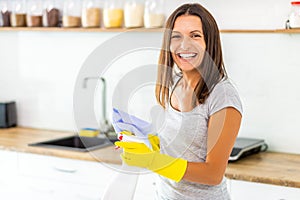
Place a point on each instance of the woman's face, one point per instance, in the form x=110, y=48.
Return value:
x=187, y=42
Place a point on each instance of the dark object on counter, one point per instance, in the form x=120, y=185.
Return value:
x=246, y=146
x=51, y=18
x=8, y=114
x=6, y=18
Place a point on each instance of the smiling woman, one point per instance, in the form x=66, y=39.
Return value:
x=203, y=111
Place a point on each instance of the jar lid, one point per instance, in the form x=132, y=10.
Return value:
x=295, y=2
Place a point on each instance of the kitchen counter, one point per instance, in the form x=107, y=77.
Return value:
x=266, y=167
x=17, y=139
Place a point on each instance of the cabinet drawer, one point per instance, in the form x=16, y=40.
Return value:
x=8, y=161
x=249, y=191
x=36, y=189
x=145, y=186
x=66, y=170
x=8, y=167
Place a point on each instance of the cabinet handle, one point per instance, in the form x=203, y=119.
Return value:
x=65, y=169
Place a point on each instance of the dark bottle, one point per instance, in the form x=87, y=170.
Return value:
x=51, y=13
x=5, y=13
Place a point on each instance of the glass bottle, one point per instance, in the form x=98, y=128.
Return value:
x=91, y=13
x=51, y=13
x=1, y=18
x=113, y=14
x=134, y=13
x=5, y=13
x=154, y=13
x=18, y=13
x=72, y=13
x=294, y=18
x=34, y=15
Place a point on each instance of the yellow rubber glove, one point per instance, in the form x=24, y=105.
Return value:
x=139, y=155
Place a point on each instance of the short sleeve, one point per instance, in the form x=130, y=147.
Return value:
x=224, y=95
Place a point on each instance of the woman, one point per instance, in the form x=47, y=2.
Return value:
x=203, y=111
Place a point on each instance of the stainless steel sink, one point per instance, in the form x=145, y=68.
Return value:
x=76, y=143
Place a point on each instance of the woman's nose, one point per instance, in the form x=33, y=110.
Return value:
x=185, y=43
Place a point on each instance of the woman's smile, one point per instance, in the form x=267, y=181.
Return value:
x=187, y=56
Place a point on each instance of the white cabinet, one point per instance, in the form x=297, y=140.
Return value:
x=64, y=170
x=242, y=190
x=145, y=188
x=8, y=165
x=34, y=177
x=8, y=175
x=46, y=177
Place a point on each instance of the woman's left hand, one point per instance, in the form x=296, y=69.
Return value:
x=136, y=154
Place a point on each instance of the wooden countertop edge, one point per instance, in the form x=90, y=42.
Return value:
x=256, y=179
x=85, y=156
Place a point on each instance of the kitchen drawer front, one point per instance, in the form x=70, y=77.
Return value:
x=8, y=160
x=36, y=189
x=250, y=190
x=146, y=186
x=8, y=164
x=66, y=170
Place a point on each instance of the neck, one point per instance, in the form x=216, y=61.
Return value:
x=191, y=78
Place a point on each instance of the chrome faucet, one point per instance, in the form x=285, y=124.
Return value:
x=104, y=124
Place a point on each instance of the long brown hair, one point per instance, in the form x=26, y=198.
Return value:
x=212, y=69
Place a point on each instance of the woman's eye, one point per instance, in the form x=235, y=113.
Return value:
x=196, y=36
x=175, y=37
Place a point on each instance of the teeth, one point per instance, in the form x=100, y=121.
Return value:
x=187, y=55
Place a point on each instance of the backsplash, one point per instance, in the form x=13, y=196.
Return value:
x=39, y=70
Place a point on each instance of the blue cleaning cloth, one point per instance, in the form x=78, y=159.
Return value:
x=123, y=121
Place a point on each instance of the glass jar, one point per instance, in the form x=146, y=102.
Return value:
x=34, y=15
x=72, y=13
x=134, y=13
x=51, y=13
x=5, y=13
x=18, y=13
x=91, y=13
x=294, y=18
x=154, y=14
x=113, y=14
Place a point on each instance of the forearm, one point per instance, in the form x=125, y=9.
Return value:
x=204, y=173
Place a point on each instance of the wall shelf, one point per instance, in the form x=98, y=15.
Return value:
x=289, y=31
x=59, y=29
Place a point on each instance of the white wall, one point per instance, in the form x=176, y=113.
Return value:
x=265, y=68
x=39, y=69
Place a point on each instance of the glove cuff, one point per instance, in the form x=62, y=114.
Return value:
x=169, y=167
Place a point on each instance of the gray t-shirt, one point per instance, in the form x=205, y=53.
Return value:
x=184, y=135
